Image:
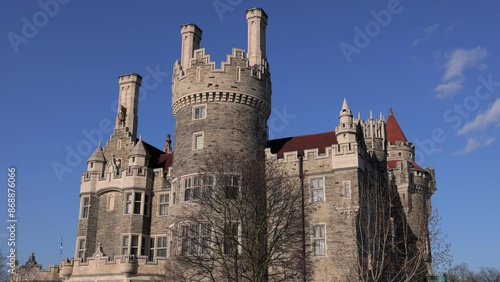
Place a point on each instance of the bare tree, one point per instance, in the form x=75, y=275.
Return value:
x=462, y=273
x=386, y=247
x=245, y=224
x=439, y=245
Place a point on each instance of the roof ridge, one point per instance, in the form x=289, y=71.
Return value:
x=312, y=134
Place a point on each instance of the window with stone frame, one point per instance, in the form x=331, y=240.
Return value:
x=230, y=238
x=161, y=247
x=317, y=187
x=128, y=203
x=80, y=251
x=157, y=247
x=136, y=203
x=199, y=111
x=197, y=187
x=163, y=204
x=195, y=239
x=319, y=240
x=85, y=207
x=198, y=140
x=231, y=186
x=130, y=244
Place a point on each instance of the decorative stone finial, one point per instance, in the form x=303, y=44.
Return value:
x=168, y=145
x=98, y=251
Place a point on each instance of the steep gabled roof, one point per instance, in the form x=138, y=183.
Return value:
x=139, y=149
x=158, y=157
x=300, y=143
x=97, y=155
x=394, y=131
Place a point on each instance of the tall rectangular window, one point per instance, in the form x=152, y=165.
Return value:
x=161, y=247
x=137, y=203
x=151, y=254
x=319, y=240
x=231, y=186
x=134, y=246
x=81, y=248
x=163, y=202
x=196, y=187
x=128, y=203
x=198, y=141
x=125, y=240
x=199, y=112
x=317, y=189
x=185, y=241
x=85, y=207
x=230, y=238
x=146, y=205
x=188, y=182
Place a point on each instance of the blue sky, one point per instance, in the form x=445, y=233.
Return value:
x=437, y=63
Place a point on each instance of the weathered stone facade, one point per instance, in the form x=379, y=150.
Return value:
x=131, y=191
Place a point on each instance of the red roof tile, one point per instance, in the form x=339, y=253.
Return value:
x=166, y=161
x=394, y=131
x=300, y=143
x=393, y=164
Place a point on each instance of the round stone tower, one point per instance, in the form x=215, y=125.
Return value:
x=223, y=109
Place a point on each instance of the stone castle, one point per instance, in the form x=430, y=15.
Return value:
x=132, y=191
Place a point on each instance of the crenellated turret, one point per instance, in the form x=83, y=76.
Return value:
x=346, y=153
x=345, y=130
x=375, y=137
x=225, y=108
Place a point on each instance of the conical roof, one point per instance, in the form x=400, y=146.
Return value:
x=97, y=155
x=394, y=131
x=139, y=149
x=345, y=108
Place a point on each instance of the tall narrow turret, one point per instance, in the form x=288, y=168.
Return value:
x=345, y=130
x=128, y=103
x=257, y=22
x=191, y=39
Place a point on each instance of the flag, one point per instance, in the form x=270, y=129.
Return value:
x=61, y=247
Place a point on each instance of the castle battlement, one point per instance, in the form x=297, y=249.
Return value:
x=132, y=176
x=113, y=267
x=202, y=81
x=130, y=78
x=237, y=58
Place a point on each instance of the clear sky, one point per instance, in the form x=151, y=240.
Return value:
x=437, y=63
